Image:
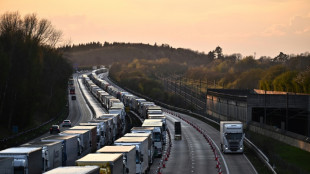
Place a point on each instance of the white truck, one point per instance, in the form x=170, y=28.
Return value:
x=146, y=130
x=51, y=153
x=158, y=136
x=129, y=156
x=112, y=101
x=70, y=147
x=150, y=143
x=232, y=136
x=93, y=131
x=108, y=163
x=102, y=96
x=119, y=108
x=75, y=170
x=100, y=132
x=143, y=108
x=107, y=129
x=83, y=137
x=153, y=110
x=164, y=120
x=27, y=160
x=141, y=144
x=116, y=126
x=136, y=102
x=163, y=128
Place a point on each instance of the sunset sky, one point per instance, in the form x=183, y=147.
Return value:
x=266, y=27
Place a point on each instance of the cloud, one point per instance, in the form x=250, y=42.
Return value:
x=298, y=25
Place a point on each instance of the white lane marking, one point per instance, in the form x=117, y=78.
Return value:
x=250, y=163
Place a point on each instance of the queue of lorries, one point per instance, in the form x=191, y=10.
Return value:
x=100, y=145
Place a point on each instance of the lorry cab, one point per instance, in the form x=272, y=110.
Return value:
x=51, y=153
x=158, y=135
x=150, y=143
x=232, y=136
x=26, y=160
x=141, y=144
x=116, y=124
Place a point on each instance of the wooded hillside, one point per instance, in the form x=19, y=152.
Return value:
x=284, y=72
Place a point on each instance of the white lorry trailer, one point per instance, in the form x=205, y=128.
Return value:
x=70, y=147
x=150, y=143
x=75, y=170
x=93, y=131
x=149, y=122
x=51, y=153
x=27, y=160
x=108, y=163
x=141, y=144
x=153, y=110
x=231, y=133
x=129, y=156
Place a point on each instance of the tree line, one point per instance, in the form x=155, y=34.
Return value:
x=108, y=53
x=282, y=73
x=33, y=73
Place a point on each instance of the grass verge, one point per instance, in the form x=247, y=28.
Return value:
x=286, y=159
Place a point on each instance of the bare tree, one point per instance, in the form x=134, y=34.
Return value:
x=32, y=28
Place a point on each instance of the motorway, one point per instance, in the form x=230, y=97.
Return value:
x=236, y=163
x=193, y=154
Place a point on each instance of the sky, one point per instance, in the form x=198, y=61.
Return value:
x=249, y=27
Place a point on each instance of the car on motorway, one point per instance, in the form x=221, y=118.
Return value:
x=73, y=97
x=54, y=129
x=66, y=123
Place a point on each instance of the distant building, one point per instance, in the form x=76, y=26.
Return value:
x=289, y=111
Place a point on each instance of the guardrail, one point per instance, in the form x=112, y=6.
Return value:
x=27, y=131
x=260, y=154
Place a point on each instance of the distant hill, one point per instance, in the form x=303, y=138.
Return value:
x=96, y=53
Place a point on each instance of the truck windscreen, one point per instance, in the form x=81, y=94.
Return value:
x=233, y=136
x=157, y=137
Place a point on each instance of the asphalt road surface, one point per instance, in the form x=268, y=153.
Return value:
x=194, y=153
